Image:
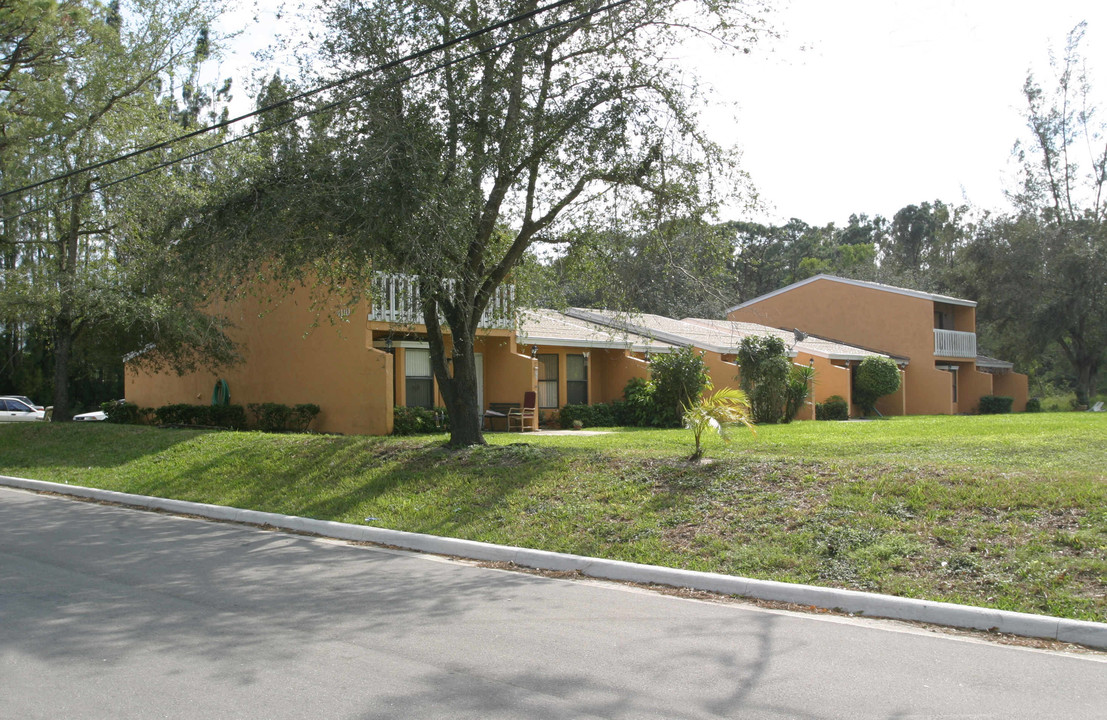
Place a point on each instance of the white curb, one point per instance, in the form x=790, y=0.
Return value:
x=1091, y=634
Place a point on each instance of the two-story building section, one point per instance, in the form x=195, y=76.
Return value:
x=934, y=336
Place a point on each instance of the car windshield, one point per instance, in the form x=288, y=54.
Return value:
x=22, y=398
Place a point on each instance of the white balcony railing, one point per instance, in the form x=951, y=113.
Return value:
x=396, y=300
x=953, y=343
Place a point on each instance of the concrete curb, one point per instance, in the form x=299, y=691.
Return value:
x=1091, y=634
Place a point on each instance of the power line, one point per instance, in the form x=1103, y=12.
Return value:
x=164, y=144
x=333, y=104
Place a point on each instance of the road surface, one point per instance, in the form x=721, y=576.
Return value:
x=107, y=612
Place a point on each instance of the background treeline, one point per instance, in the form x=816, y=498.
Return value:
x=1027, y=276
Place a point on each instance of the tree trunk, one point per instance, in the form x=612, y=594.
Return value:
x=63, y=345
x=1087, y=381
x=64, y=327
x=457, y=380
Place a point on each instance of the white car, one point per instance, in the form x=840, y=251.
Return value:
x=94, y=416
x=15, y=410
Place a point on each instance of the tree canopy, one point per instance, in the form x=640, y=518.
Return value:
x=451, y=166
x=85, y=262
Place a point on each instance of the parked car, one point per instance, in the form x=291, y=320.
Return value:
x=94, y=416
x=13, y=409
x=25, y=399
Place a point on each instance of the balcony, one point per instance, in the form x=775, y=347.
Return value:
x=396, y=300
x=952, y=343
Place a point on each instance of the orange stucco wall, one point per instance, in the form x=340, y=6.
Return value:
x=971, y=386
x=288, y=361
x=879, y=320
x=1012, y=384
x=830, y=379
x=613, y=370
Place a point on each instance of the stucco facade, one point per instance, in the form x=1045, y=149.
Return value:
x=933, y=335
x=357, y=366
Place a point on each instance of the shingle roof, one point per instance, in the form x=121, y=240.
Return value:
x=811, y=345
x=549, y=327
x=721, y=336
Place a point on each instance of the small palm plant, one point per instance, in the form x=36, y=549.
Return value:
x=720, y=410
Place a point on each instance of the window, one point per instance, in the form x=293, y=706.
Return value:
x=547, y=381
x=419, y=380
x=576, y=379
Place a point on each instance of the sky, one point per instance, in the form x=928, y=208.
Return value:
x=866, y=106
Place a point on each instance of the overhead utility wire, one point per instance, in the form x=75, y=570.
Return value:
x=296, y=98
x=334, y=104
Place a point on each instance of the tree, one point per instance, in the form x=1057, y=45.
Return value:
x=678, y=378
x=765, y=368
x=453, y=173
x=875, y=378
x=86, y=259
x=720, y=410
x=1043, y=270
x=678, y=269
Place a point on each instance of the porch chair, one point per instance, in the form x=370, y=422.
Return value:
x=525, y=416
x=1098, y=407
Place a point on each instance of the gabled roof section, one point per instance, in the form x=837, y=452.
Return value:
x=540, y=326
x=990, y=363
x=859, y=283
x=817, y=346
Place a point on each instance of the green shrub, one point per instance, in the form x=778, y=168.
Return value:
x=122, y=412
x=875, y=378
x=621, y=413
x=271, y=417
x=800, y=385
x=174, y=414
x=995, y=404
x=678, y=378
x=638, y=408
x=1033, y=405
x=765, y=372
x=224, y=416
x=414, y=421
x=598, y=415
x=835, y=408
x=303, y=414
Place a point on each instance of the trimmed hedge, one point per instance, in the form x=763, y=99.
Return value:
x=1033, y=405
x=268, y=417
x=995, y=404
x=419, y=420
x=598, y=415
x=835, y=408
x=232, y=417
x=123, y=412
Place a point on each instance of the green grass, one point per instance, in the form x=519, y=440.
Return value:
x=1004, y=511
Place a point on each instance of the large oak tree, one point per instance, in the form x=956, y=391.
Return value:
x=452, y=173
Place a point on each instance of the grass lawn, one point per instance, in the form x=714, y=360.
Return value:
x=1004, y=511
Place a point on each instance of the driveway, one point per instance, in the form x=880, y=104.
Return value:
x=107, y=612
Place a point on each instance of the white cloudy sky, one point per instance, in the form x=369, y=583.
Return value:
x=864, y=106
x=893, y=102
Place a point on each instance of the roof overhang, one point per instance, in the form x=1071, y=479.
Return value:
x=654, y=334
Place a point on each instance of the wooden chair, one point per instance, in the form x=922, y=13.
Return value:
x=525, y=417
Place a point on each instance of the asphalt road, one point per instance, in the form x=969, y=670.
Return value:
x=107, y=612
